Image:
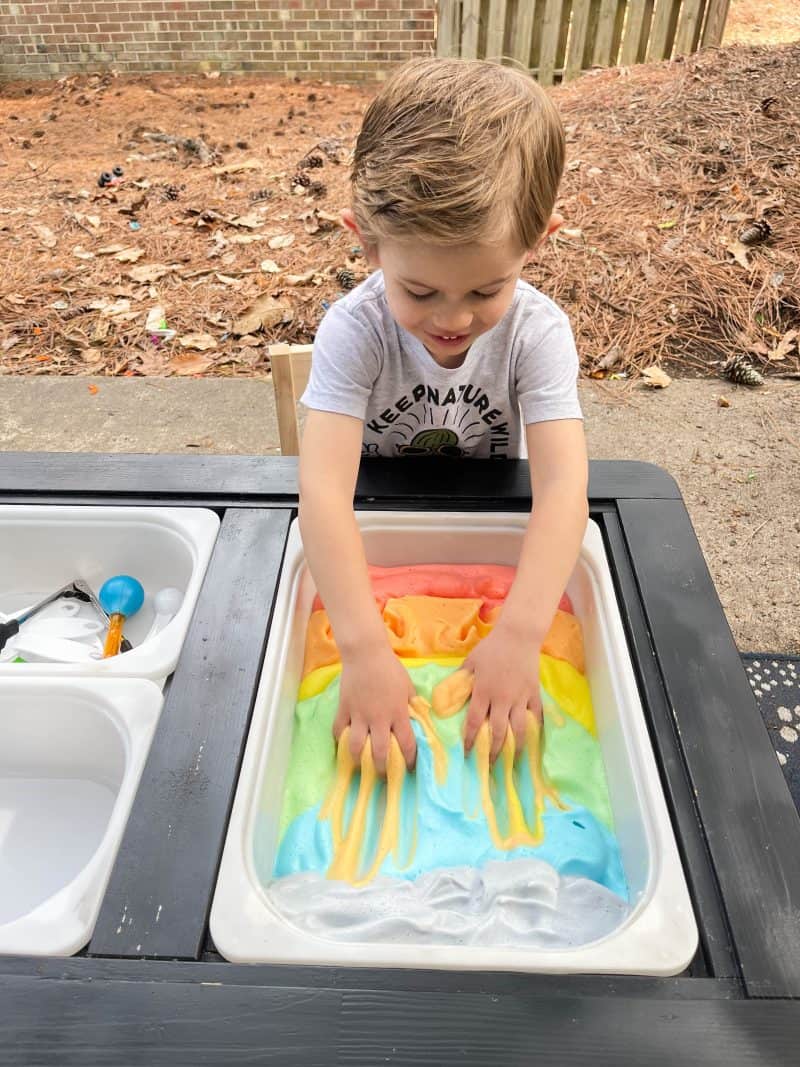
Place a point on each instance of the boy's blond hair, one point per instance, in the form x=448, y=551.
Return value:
x=456, y=151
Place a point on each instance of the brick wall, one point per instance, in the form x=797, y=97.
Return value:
x=340, y=40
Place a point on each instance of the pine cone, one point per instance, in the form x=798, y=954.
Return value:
x=171, y=192
x=260, y=194
x=738, y=370
x=756, y=232
x=312, y=161
x=346, y=278
x=318, y=189
x=301, y=179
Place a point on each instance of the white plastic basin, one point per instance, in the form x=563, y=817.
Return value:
x=44, y=548
x=657, y=937
x=71, y=755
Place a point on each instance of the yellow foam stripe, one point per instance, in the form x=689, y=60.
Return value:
x=333, y=808
x=519, y=832
x=390, y=828
x=452, y=693
x=348, y=846
x=569, y=689
x=344, y=867
x=420, y=710
x=314, y=682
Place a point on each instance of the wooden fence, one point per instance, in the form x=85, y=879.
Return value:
x=557, y=39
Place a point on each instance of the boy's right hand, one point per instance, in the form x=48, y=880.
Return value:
x=374, y=695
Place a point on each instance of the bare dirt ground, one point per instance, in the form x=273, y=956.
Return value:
x=762, y=22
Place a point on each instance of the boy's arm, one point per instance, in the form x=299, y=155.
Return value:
x=375, y=688
x=506, y=662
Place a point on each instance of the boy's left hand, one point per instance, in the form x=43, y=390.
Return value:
x=505, y=665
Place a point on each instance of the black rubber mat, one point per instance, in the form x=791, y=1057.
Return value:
x=775, y=680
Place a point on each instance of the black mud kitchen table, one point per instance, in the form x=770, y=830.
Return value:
x=150, y=993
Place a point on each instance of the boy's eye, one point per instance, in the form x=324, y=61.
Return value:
x=424, y=296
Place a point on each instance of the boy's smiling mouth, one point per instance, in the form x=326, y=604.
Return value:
x=448, y=339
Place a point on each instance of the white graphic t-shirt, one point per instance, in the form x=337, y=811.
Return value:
x=366, y=365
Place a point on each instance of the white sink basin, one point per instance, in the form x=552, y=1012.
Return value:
x=71, y=756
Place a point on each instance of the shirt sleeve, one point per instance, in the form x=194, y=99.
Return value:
x=345, y=363
x=546, y=374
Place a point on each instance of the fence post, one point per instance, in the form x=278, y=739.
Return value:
x=497, y=29
x=470, y=27
x=446, y=32
x=715, y=22
x=551, y=35
x=691, y=15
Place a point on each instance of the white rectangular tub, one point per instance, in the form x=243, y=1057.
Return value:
x=71, y=756
x=658, y=936
x=42, y=548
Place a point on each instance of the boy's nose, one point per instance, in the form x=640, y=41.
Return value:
x=453, y=326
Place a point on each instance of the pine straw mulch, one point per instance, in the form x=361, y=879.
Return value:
x=668, y=164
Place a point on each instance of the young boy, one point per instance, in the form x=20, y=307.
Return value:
x=454, y=181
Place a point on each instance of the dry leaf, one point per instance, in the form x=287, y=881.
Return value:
x=199, y=341
x=80, y=253
x=656, y=377
x=269, y=266
x=129, y=255
x=45, y=235
x=281, y=240
x=567, y=232
x=246, y=238
x=226, y=280
x=235, y=168
x=93, y=389
x=189, y=364
x=723, y=402
x=250, y=222
x=301, y=279
x=119, y=307
x=100, y=332
x=149, y=272
x=316, y=221
x=110, y=250
x=264, y=312
x=93, y=220
x=249, y=355
x=739, y=253
x=784, y=346
x=152, y=362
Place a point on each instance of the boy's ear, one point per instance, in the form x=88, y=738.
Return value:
x=349, y=220
x=555, y=223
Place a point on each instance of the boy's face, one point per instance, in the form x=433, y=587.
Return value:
x=446, y=297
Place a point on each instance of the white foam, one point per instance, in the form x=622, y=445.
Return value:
x=514, y=903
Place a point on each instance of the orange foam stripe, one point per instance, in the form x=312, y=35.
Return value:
x=419, y=627
x=564, y=640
